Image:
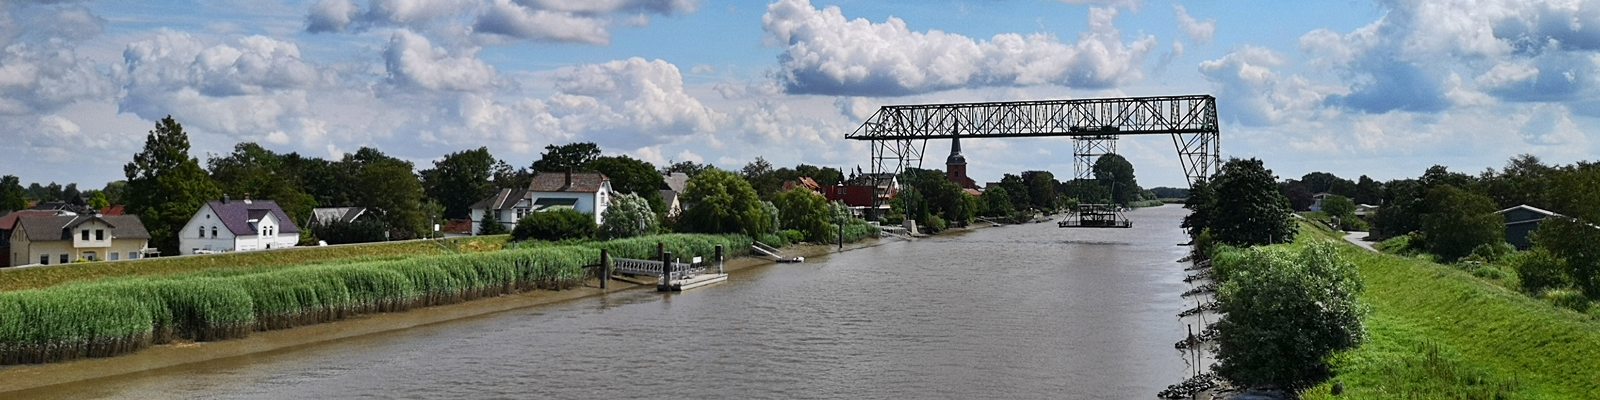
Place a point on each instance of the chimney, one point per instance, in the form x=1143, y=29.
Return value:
x=224, y=198
x=247, y=198
x=569, y=179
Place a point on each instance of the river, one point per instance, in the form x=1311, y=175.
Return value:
x=1029, y=311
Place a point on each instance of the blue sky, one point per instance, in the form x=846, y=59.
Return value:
x=1383, y=88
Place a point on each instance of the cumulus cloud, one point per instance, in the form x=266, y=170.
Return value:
x=1252, y=93
x=40, y=69
x=825, y=53
x=561, y=21
x=636, y=97
x=413, y=61
x=248, y=87
x=1199, y=32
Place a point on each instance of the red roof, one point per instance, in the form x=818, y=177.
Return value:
x=10, y=220
x=458, y=226
x=111, y=211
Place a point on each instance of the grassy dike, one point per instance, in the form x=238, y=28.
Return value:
x=1436, y=332
x=107, y=317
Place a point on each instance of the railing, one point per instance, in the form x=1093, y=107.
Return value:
x=680, y=270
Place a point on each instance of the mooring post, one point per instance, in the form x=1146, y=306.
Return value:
x=605, y=268
x=666, y=271
x=719, y=258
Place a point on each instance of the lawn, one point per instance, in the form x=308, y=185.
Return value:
x=45, y=276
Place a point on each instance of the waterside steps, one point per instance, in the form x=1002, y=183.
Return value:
x=1096, y=216
x=672, y=275
x=769, y=251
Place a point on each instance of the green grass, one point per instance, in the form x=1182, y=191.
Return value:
x=46, y=276
x=1436, y=331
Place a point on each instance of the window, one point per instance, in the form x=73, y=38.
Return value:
x=112, y=256
x=213, y=231
x=44, y=259
x=91, y=256
x=99, y=234
x=66, y=258
x=133, y=255
x=202, y=232
x=85, y=234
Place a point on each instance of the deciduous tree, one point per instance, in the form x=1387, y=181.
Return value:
x=1458, y=222
x=165, y=185
x=1115, y=173
x=718, y=201
x=254, y=171
x=12, y=196
x=459, y=180
x=628, y=215
x=630, y=175
x=1286, y=313
x=567, y=156
x=1249, y=210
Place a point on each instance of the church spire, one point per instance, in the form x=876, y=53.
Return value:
x=955, y=153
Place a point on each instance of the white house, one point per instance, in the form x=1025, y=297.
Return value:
x=586, y=192
x=243, y=225
x=672, y=185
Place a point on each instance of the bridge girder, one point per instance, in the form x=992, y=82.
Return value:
x=900, y=133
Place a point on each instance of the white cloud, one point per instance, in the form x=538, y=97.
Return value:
x=1129, y=4
x=824, y=53
x=246, y=88
x=503, y=17
x=561, y=21
x=1199, y=32
x=1249, y=91
x=413, y=61
x=632, y=97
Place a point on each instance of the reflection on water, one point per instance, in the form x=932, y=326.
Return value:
x=1030, y=311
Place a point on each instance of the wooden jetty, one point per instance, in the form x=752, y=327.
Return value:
x=672, y=275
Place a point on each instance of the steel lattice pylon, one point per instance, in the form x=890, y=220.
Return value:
x=900, y=133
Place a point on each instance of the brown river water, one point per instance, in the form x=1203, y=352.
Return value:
x=1028, y=311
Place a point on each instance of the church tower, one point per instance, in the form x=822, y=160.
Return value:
x=955, y=166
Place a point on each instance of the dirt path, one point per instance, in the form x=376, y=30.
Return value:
x=1358, y=238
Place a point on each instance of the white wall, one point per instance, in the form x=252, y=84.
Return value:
x=190, y=239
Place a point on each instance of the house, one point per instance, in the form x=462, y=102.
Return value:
x=9, y=221
x=1316, y=201
x=805, y=182
x=69, y=237
x=243, y=225
x=673, y=185
x=1522, y=220
x=112, y=210
x=586, y=192
x=328, y=215
x=1363, y=210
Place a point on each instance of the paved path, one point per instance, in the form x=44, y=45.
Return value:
x=1356, y=237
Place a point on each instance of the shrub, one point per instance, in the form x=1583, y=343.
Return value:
x=555, y=225
x=1460, y=222
x=340, y=232
x=1567, y=298
x=1538, y=270
x=935, y=224
x=629, y=215
x=491, y=225
x=1285, y=314
x=793, y=236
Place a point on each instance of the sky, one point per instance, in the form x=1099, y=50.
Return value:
x=1384, y=89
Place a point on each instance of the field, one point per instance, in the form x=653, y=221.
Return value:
x=46, y=276
x=1436, y=332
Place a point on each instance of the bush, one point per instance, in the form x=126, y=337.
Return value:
x=339, y=232
x=793, y=236
x=1538, y=270
x=491, y=225
x=1285, y=314
x=555, y=225
x=1395, y=245
x=1460, y=222
x=1567, y=298
x=629, y=215
x=935, y=224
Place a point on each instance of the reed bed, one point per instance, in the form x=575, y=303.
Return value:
x=680, y=244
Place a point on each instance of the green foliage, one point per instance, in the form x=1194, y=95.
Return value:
x=1339, y=206
x=340, y=232
x=1041, y=189
x=718, y=201
x=12, y=196
x=1115, y=173
x=1249, y=210
x=1567, y=298
x=689, y=168
x=997, y=202
x=1402, y=209
x=679, y=244
x=802, y=210
x=1459, y=221
x=388, y=187
x=1201, y=203
x=928, y=194
x=1574, y=237
x=559, y=224
x=1286, y=313
x=564, y=157
x=459, y=180
x=98, y=200
x=261, y=174
x=165, y=185
x=628, y=215
x=1538, y=269
x=491, y=225
x=629, y=175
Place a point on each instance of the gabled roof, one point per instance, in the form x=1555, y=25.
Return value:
x=236, y=215
x=675, y=182
x=1529, y=208
x=326, y=215
x=10, y=220
x=112, y=210
x=52, y=228
x=504, y=199
x=581, y=182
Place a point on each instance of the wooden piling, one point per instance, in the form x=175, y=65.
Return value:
x=605, y=268
x=719, y=258
x=666, y=271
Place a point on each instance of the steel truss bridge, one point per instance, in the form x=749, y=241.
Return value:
x=900, y=134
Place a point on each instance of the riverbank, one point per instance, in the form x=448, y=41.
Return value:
x=18, y=378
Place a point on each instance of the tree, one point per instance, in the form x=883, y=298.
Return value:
x=114, y=191
x=1041, y=189
x=340, y=232
x=1338, y=206
x=1300, y=198
x=1402, y=208
x=507, y=177
x=165, y=185
x=762, y=177
x=254, y=171
x=71, y=195
x=1574, y=237
x=564, y=157
x=388, y=186
x=997, y=202
x=1115, y=173
x=1017, y=189
x=1249, y=209
x=12, y=196
x=97, y=200
x=629, y=215
x=459, y=180
x=718, y=201
x=1459, y=222
x=559, y=224
x=689, y=168
x=1285, y=313
x=491, y=225
x=629, y=175
x=1368, y=191
x=803, y=210
x=1202, y=204
x=825, y=176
